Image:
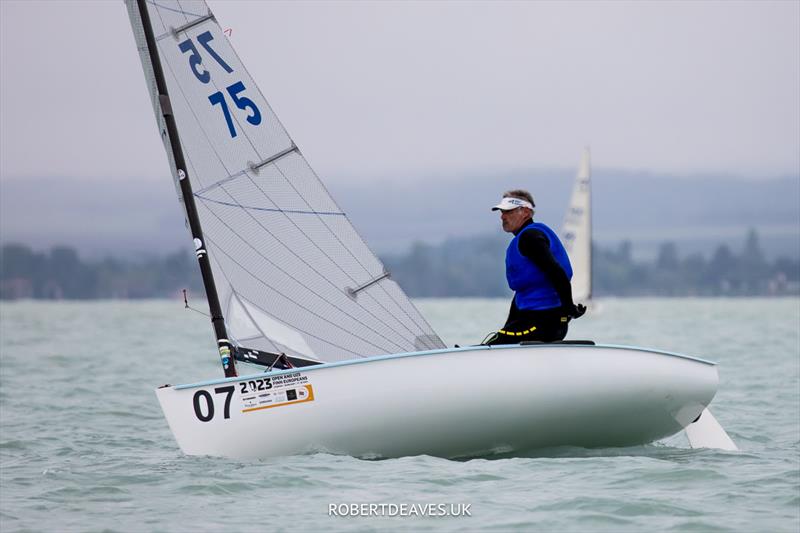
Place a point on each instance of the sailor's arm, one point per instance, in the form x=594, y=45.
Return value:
x=534, y=245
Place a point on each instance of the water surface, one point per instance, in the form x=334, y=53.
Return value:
x=84, y=447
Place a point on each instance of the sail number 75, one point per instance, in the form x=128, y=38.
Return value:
x=195, y=59
x=218, y=98
x=242, y=102
x=205, y=413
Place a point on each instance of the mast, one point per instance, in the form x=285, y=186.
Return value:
x=217, y=321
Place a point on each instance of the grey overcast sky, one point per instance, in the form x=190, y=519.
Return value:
x=399, y=89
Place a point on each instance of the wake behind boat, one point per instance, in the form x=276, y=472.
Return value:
x=352, y=366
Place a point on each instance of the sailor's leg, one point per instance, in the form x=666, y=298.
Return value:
x=546, y=326
x=542, y=326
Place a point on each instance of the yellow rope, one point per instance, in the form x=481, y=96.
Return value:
x=517, y=333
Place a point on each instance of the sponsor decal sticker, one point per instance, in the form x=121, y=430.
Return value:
x=252, y=395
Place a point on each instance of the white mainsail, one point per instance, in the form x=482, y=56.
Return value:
x=291, y=272
x=576, y=232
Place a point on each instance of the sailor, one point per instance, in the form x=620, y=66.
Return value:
x=539, y=272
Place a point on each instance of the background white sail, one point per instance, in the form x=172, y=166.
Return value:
x=291, y=272
x=576, y=232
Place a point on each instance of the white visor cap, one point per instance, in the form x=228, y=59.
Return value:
x=510, y=203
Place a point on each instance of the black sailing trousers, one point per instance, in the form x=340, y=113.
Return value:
x=547, y=325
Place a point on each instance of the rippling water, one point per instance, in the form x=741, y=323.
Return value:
x=84, y=447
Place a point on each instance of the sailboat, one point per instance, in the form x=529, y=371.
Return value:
x=344, y=361
x=576, y=232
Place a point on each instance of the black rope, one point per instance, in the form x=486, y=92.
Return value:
x=187, y=306
x=280, y=357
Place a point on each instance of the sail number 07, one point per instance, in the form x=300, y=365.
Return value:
x=206, y=413
x=218, y=98
x=203, y=402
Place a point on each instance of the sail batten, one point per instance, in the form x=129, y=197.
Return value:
x=251, y=167
x=177, y=31
x=284, y=255
x=256, y=166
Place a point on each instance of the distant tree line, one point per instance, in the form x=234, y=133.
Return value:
x=458, y=267
x=60, y=274
x=724, y=273
x=476, y=267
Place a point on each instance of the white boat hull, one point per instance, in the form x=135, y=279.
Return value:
x=449, y=403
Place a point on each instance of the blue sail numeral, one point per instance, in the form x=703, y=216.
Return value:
x=204, y=39
x=195, y=60
x=242, y=102
x=219, y=98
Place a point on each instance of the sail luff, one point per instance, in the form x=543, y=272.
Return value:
x=217, y=320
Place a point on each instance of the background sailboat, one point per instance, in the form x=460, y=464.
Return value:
x=576, y=232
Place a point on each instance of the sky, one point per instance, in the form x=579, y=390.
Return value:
x=398, y=91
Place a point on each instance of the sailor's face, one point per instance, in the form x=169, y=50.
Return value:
x=513, y=219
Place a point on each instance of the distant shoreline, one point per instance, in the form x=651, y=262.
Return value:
x=471, y=267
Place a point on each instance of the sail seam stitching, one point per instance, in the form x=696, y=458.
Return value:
x=230, y=257
x=270, y=209
x=333, y=261
x=321, y=275
x=181, y=11
x=211, y=241
x=353, y=255
x=298, y=281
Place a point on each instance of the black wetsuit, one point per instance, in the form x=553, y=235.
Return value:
x=545, y=325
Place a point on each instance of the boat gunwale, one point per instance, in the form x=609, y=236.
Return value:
x=433, y=352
